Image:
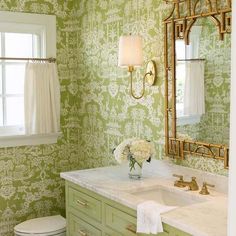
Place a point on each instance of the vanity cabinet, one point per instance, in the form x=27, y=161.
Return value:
x=90, y=214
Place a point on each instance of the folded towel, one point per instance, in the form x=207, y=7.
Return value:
x=149, y=217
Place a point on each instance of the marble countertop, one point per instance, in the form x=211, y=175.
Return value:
x=206, y=218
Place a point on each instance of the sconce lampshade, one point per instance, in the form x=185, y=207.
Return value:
x=130, y=51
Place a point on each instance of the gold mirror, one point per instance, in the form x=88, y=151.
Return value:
x=197, y=62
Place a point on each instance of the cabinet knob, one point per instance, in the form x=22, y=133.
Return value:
x=82, y=233
x=131, y=228
x=81, y=203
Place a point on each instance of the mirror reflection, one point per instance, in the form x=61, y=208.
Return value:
x=203, y=85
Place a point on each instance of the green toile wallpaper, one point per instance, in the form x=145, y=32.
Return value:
x=214, y=125
x=30, y=185
x=107, y=112
x=97, y=112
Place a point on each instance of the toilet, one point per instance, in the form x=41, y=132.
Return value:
x=44, y=226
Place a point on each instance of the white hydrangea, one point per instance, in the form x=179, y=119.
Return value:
x=122, y=150
x=140, y=150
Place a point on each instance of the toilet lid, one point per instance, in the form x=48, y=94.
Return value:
x=49, y=224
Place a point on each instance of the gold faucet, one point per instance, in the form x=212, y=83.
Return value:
x=193, y=186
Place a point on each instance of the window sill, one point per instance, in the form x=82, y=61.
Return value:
x=188, y=120
x=28, y=140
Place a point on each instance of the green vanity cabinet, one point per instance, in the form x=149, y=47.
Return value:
x=77, y=226
x=90, y=214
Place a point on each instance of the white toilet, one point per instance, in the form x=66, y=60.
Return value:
x=45, y=226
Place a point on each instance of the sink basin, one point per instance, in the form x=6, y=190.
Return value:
x=169, y=197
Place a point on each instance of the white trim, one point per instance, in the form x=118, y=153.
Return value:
x=20, y=28
x=188, y=120
x=45, y=23
x=11, y=130
x=232, y=162
x=45, y=26
x=25, y=140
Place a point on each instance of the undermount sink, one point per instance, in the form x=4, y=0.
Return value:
x=169, y=197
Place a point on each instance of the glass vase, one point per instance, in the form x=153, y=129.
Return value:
x=135, y=171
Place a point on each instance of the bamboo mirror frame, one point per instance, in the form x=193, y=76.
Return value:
x=178, y=26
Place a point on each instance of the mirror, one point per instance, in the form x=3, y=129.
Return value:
x=197, y=51
x=203, y=84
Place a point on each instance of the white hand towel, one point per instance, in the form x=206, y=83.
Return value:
x=149, y=217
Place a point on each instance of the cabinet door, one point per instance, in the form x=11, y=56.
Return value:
x=110, y=232
x=79, y=227
x=84, y=203
x=125, y=224
x=120, y=221
x=160, y=234
x=113, y=233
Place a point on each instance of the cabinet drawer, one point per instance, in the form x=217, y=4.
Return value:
x=78, y=227
x=120, y=221
x=112, y=233
x=86, y=204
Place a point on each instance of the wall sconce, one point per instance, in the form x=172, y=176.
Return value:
x=131, y=56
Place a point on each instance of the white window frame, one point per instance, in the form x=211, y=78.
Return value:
x=191, y=51
x=20, y=28
x=45, y=26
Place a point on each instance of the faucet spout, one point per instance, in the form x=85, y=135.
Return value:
x=180, y=183
x=193, y=186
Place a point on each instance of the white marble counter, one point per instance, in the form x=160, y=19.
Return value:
x=208, y=218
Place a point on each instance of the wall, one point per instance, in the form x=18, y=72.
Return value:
x=232, y=170
x=107, y=112
x=30, y=185
x=214, y=125
x=97, y=110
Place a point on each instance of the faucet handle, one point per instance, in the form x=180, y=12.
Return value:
x=204, y=190
x=179, y=183
x=181, y=178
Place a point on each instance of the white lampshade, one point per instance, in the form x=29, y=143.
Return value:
x=130, y=51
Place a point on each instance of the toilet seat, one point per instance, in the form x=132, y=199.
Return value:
x=44, y=226
x=56, y=233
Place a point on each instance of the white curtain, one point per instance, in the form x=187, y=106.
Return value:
x=195, y=36
x=194, y=92
x=42, y=98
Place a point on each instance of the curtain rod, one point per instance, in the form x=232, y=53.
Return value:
x=51, y=59
x=194, y=59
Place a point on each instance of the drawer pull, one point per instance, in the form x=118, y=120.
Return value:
x=82, y=203
x=131, y=228
x=82, y=233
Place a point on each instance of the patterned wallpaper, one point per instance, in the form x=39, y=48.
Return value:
x=107, y=112
x=97, y=110
x=30, y=185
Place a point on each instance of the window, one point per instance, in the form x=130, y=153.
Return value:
x=184, y=51
x=181, y=51
x=22, y=35
x=17, y=45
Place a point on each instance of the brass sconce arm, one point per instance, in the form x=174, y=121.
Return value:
x=149, y=78
x=131, y=55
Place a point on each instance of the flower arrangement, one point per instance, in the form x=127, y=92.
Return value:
x=134, y=150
